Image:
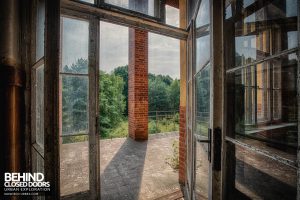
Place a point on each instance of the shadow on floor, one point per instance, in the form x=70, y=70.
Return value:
x=121, y=179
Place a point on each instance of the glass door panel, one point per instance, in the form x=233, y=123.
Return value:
x=202, y=132
x=75, y=105
x=202, y=116
x=189, y=141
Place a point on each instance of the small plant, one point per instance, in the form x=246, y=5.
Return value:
x=74, y=139
x=173, y=160
x=153, y=127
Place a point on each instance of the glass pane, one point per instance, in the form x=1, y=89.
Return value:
x=264, y=101
x=38, y=167
x=75, y=38
x=88, y=1
x=259, y=177
x=202, y=52
x=74, y=164
x=203, y=16
x=39, y=106
x=74, y=105
x=148, y=7
x=40, y=29
x=261, y=29
x=202, y=102
x=74, y=151
x=202, y=173
x=202, y=117
x=172, y=16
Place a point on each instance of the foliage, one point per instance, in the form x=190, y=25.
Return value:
x=111, y=102
x=173, y=160
x=75, y=99
x=164, y=93
x=76, y=138
x=174, y=94
x=123, y=73
x=162, y=126
x=119, y=131
x=158, y=96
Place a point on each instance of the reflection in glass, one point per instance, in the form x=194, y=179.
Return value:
x=75, y=38
x=74, y=164
x=39, y=106
x=74, y=151
x=246, y=3
x=202, y=115
x=202, y=173
x=228, y=11
x=245, y=50
x=38, y=167
x=40, y=29
x=74, y=105
x=172, y=16
x=88, y=1
x=266, y=106
x=292, y=39
x=148, y=7
x=203, y=16
x=202, y=82
x=259, y=177
x=291, y=8
x=261, y=29
x=202, y=52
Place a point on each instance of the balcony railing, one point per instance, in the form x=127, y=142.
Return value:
x=163, y=121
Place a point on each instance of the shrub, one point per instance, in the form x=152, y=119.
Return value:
x=173, y=160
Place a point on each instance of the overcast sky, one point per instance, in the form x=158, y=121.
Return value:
x=163, y=51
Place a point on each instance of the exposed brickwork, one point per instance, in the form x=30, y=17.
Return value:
x=138, y=84
x=182, y=145
x=173, y=3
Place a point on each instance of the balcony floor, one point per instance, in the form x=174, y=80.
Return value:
x=129, y=169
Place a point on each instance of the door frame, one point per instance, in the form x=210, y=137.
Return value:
x=216, y=98
x=190, y=164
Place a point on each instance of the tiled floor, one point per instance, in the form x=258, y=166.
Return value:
x=129, y=169
x=137, y=170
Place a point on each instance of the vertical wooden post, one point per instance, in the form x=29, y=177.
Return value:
x=298, y=100
x=52, y=54
x=182, y=107
x=94, y=159
x=228, y=149
x=217, y=85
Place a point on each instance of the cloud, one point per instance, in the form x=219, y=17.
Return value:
x=164, y=57
x=113, y=46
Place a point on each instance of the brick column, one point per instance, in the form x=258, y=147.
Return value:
x=138, y=84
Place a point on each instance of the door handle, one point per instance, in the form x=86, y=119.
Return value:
x=209, y=145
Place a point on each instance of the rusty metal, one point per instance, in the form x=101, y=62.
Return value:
x=11, y=116
x=9, y=34
x=12, y=120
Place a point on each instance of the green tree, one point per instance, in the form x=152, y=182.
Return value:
x=75, y=99
x=174, y=94
x=158, y=95
x=111, y=102
x=122, y=71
